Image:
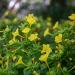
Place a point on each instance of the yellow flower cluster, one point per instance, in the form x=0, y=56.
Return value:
x=58, y=38
x=47, y=50
x=31, y=19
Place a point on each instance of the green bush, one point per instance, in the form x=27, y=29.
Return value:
x=34, y=46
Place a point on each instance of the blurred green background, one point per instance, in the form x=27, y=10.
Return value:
x=57, y=9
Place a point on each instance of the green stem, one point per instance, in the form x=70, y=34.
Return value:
x=21, y=36
x=48, y=66
x=72, y=68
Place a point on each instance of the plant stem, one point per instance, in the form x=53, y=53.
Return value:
x=72, y=68
x=48, y=66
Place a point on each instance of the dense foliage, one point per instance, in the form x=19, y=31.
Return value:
x=34, y=46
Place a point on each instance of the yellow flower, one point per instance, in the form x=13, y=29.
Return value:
x=12, y=41
x=46, y=48
x=58, y=38
x=19, y=62
x=16, y=33
x=26, y=30
x=56, y=26
x=44, y=57
x=31, y=19
x=72, y=17
x=46, y=32
x=33, y=37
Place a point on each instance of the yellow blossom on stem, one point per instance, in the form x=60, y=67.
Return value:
x=58, y=38
x=31, y=19
x=44, y=57
x=56, y=26
x=46, y=48
x=26, y=30
x=11, y=42
x=72, y=17
x=33, y=37
x=46, y=32
x=16, y=33
x=19, y=62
